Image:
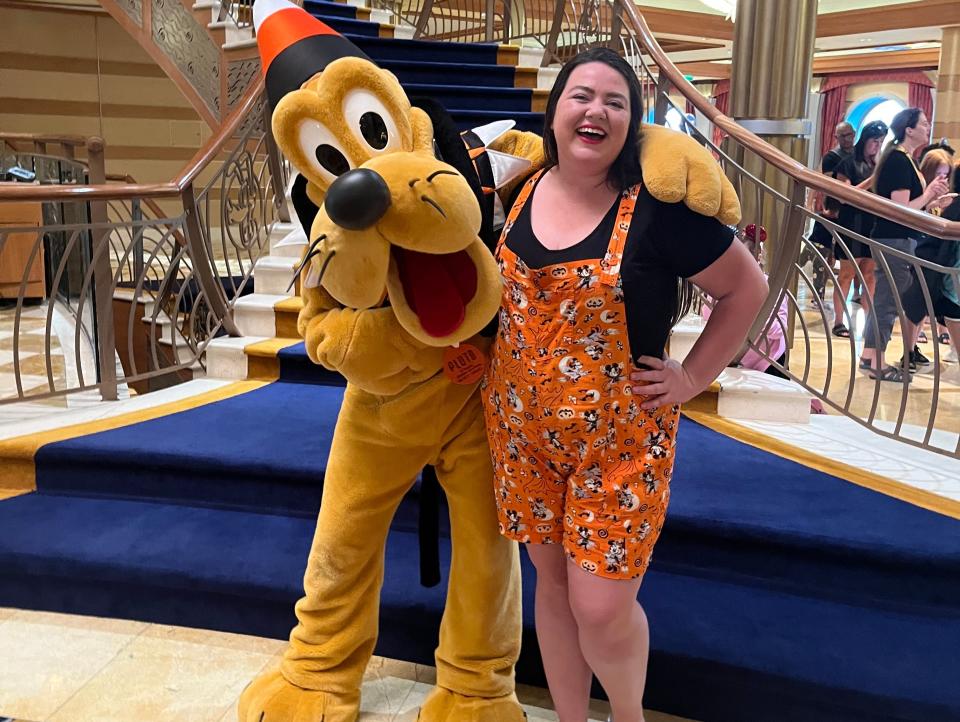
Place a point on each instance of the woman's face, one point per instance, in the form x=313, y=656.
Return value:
x=592, y=117
x=920, y=133
x=871, y=148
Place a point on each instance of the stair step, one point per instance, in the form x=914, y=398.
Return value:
x=752, y=395
x=324, y=9
x=427, y=50
x=261, y=314
x=267, y=359
x=357, y=28
x=226, y=358
x=288, y=232
x=744, y=394
x=274, y=274
x=466, y=119
x=438, y=73
x=475, y=97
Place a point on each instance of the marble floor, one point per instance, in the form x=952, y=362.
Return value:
x=924, y=393
x=66, y=668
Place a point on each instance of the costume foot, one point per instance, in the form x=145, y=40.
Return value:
x=271, y=698
x=445, y=706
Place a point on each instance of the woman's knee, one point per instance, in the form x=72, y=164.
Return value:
x=609, y=606
x=550, y=561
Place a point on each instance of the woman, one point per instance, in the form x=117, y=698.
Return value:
x=935, y=162
x=858, y=171
x=897, y=178
x=582, y=453
x=943, y=288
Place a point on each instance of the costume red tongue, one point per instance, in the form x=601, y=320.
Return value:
x=437, y=287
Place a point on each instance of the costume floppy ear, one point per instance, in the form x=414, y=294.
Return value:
x=299, y=135
x=422, y=128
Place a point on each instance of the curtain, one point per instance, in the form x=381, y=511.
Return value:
x=721, y=100
x=833, y=107
x=921, y=97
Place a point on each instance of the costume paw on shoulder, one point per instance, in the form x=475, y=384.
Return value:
x=677, y=168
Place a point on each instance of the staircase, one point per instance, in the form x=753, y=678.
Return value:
x=778, y=593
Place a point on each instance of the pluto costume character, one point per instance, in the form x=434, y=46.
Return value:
x=397, y=286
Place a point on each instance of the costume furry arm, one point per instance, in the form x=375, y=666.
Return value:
x=369, y=347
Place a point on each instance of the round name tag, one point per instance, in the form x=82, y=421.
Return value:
x=464, y=364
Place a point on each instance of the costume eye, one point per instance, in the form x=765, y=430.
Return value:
x=332, y=159
x=370, y=121
x=322, y=151
x=374, y=130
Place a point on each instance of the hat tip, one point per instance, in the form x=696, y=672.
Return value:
x=262, y=9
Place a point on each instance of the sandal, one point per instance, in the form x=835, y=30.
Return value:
x=889, y=373
x=841, y=331
x=921, y=337
x=944, y=338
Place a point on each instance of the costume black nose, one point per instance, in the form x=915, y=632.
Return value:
x=357, y=199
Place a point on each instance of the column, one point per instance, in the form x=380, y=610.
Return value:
x=946, y=113
x=769, y=92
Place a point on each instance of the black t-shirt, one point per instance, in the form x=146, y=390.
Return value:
x=666, y=241
x=898, y=172
x=828, y=165
x=832, y=159
x=850, y=216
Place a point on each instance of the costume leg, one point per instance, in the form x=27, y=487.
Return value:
x=367, y=475
x=481, y=627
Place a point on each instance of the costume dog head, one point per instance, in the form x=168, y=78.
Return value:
x=393, y=223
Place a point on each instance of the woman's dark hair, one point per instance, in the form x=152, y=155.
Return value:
x=873, y=129
x=906, y=118
x=858, y=167
x=625, y=171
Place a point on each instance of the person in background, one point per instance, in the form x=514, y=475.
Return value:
x=935, y=161
x=897, y=178
x=857, y=169
x=942, y=288
x=829, y=207
x=581, y=405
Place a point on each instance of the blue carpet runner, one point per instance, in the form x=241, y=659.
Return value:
x=777, y=592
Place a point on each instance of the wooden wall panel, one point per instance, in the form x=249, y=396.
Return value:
x=80, y=73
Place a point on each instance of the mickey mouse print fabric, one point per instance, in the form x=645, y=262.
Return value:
x=577, y=461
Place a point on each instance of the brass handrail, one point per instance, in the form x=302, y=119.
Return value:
x=923, y=222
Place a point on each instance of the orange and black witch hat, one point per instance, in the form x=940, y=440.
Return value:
x=294, y=46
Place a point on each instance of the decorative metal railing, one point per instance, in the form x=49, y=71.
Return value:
x=923, y=409
x=916, y=410
x=141, y=290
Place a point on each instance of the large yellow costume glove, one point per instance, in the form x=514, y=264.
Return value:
x=369, y=347
x=677, y=168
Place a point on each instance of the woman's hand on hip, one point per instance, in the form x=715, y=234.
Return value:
x=667, y=383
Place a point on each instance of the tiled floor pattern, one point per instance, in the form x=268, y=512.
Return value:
x=64, y=668
x=30, y=344
x=921, y=394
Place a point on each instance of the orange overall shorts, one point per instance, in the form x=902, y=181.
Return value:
x=576, y=460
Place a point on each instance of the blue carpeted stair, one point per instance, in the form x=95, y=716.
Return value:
x=458, y=75
x=777, y=592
